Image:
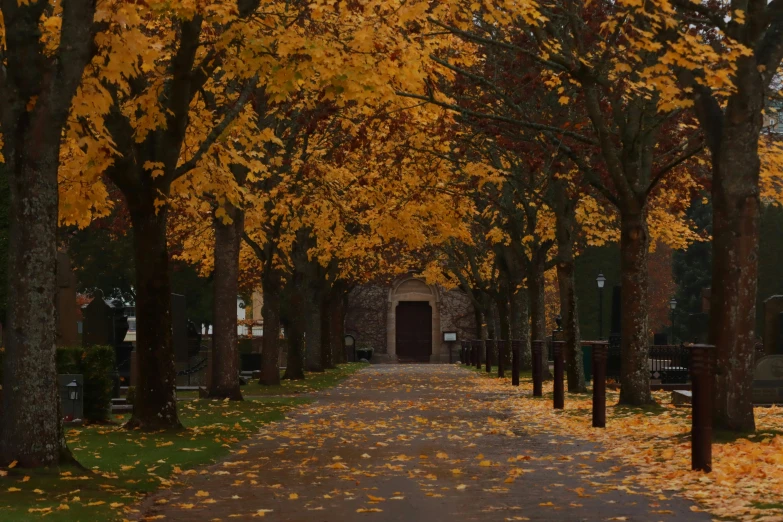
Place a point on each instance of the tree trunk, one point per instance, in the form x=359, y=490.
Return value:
x=735, y=250
x=337, y=327
x=155, y=405
x=326, y=333
x=312, y=329
x=504, y=352
x=568, y=308
x=634, y=367
x=32, y=427
x=479, y=322
x=520, y=328
x=225, y=355
x=294, y=325
x=536, y=292
x=565, y=224
x=270, y=354
x=38, y=88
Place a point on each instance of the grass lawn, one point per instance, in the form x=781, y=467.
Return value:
x=122, y=467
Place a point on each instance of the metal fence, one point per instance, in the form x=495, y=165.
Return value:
x=668, y=364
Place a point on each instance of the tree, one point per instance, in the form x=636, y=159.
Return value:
x=38, y=82
x=748, y=37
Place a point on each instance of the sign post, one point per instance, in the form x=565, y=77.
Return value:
x=450, y=338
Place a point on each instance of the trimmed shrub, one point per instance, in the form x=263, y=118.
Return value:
x=130, y=396
x=96, y=365
x=68, y=359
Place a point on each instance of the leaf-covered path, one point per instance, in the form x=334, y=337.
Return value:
x=413, y=443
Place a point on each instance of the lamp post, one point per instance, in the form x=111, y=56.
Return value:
x=72, y=389
x=672, y=305
x=600, y=280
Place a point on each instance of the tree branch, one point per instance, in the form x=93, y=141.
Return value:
x=230, y=116
x=521, y=123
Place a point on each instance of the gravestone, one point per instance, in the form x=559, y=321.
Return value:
x=699, y=327
x=768, y=380
x=98, y=326
x=179, y=328
x=773, y=306
x=706, y=299
x=67, y=328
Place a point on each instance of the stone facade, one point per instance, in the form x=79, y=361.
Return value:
x=371, y=317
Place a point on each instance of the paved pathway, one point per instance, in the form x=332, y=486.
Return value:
x=411, y=443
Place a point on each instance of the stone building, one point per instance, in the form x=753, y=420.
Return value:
x=405, y=322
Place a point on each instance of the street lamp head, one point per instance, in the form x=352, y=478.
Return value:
x=673, y=303
x=600, y=280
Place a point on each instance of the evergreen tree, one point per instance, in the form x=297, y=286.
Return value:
x=693, y=271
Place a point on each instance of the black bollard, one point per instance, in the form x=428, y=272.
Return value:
x=600, y=354
x=538, y=366
x=559, y=395
x=701, y=427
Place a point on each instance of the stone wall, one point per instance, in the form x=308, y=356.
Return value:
x=456, y=314
x=365, y=317
x=369, y=319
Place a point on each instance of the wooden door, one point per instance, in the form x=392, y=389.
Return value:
x=414, y=331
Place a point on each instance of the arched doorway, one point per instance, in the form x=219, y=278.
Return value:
x=419, y=304
x=413, y=331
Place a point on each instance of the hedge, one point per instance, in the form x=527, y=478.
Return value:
x=96, y=364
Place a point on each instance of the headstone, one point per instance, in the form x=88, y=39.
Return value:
x=779, y=346
x=660, y=339
x=98, y=322
x=706, y=299
x=71, y=396
x=768, y=380
x=67, y=331
x=699, y=327
x=773, y=306
x=179, y=328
